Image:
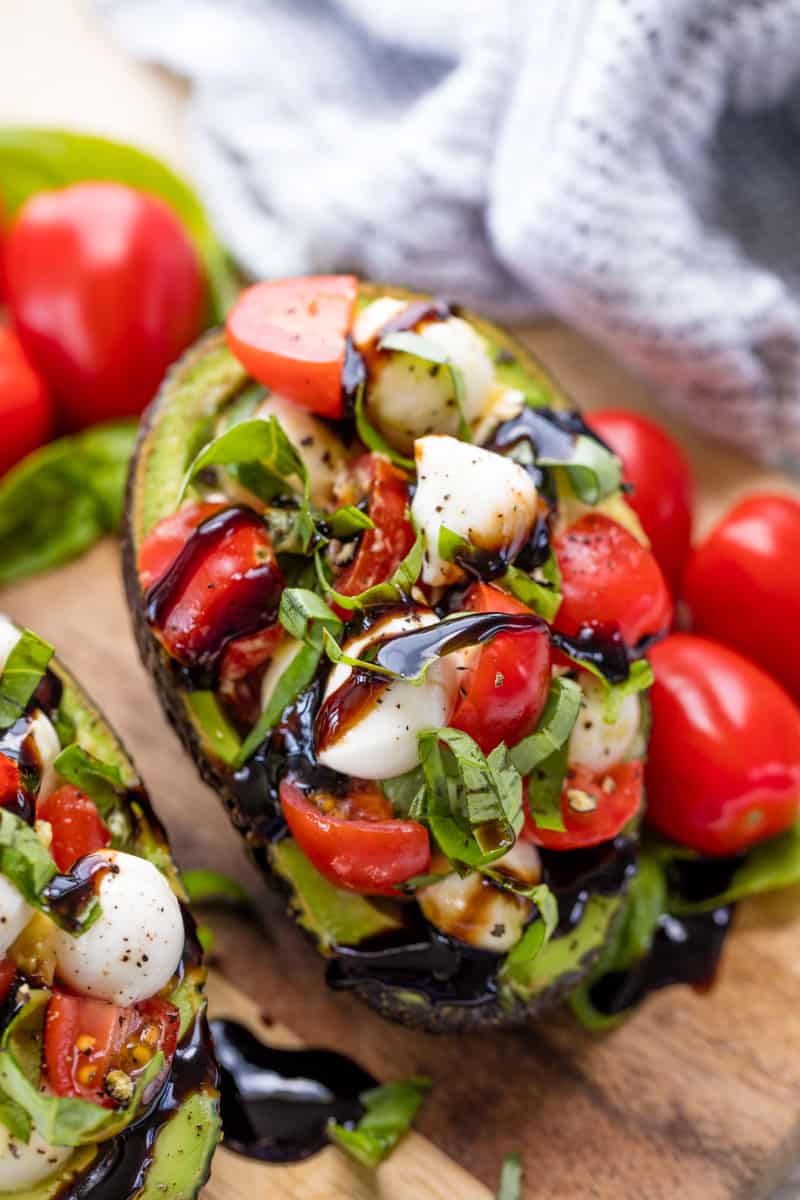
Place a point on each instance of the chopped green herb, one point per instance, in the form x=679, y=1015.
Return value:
x=99, y=780
x=390, y=1110
x=25, y=667
x=510, y=1178
x=374, y=440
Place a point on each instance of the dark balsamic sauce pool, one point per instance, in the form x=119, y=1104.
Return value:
x=276, y=1103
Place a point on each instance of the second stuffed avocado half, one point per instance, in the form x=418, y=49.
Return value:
x=395, y=605
x=108, y=1084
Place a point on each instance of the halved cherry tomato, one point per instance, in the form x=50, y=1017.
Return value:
x=232, y=582
x=355, y=841
x=84, y=1039
x=663, y=488
x=381, y=549
x=8, y=973
x=504, y=685
x=723, y=764
x=26, y=407
x=239, y=671
x=290, y=335
x=105, y=290
x=742, y=584
x=10, y=779
x=616, y=795
x=77, y=826
x=607, y=576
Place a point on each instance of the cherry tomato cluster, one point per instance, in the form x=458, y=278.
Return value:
x=104, y=290
x=723, y=769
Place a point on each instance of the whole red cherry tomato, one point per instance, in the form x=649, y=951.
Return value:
x=742, y=584
x=105, y=290
x=503, y=690
x=663, y=489
x=723, y=764
x=291, y=334
x=609, y=577
x=26, y=408
x=355, y=841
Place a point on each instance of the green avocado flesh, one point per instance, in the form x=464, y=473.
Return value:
x=206, y=384
x=186, y=1141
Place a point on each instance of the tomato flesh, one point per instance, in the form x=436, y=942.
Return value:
x=607, y=576
x=617, y=798
x=290, y=334
x=723, y=764
x=663, y=488
x=354, y=841
x=10, y=779
x=84, y=1039
x=105, y=290
x=8, y=973
x=381, y=549
x=77, y=826
x=742, y=584
x=231, y=582
x=26, y=407
x=504, y=686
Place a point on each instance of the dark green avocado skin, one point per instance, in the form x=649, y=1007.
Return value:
x=395, y=1003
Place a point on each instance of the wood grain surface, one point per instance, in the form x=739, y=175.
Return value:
x=695, y=1097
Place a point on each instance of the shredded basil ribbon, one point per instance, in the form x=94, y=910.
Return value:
x=24, y=669
x=389, y=1112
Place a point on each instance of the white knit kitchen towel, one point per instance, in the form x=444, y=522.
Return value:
x=631, y=165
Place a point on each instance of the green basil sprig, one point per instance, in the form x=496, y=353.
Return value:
x=390, y=1110
x=33, y=160
x=24, y=669
x=99, y=780
x=417, y=346
x=264, y=445
x=59, y=500
x=61, y=1121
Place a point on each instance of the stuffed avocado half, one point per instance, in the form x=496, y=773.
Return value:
x=108, y=1086
x=395, y=605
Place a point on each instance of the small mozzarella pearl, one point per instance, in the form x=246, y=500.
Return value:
x=593, y=742
x=15, y=913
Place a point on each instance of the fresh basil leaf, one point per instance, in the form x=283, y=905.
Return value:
x=766, y=867
x=630, y=941
x=99, y=780
x=33, y=160
x=294, y=680
x=60, y=1121
x=404, y=791
x=473, y=804
x=450, y=543
x=545, y=785
x=16, y=1120
x=374, y=440
x=640, y=677
x=301, y=608
x=220, y=739
x=396, y=587
x=59, y=500
x=262, y=442
x=540, y=597
x=554, y=726
x=348, y=521
x=20, y=677
x=510, y=1178
x=203, y=886
x=539, y=931
x=593, y=471
x=389, y=1113
x=23, y=858
x=416, y=345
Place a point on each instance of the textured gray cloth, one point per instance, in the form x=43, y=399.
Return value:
x=631, y=165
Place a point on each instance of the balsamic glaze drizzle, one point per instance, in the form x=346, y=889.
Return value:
x=276, y=1103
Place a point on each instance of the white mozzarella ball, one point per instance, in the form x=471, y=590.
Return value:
x=474, y=910
x=286, y=652
x=15, y=913
x=408, y=397
x=9, y=636
x=133, y=949
x=594, y=743
x=317, y=445
x=24, y=1164
x=48, y=748
x=486, y=498
x=371, y=320
x=383, y=742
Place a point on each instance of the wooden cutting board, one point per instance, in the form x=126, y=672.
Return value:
x=696, y=1097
